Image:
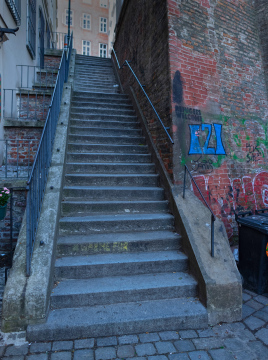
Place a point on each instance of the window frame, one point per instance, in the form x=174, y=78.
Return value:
x=87, y=42
x=31, y=28
x=103, y=24
x=106, y=50
x=105, y=6
x=82, y=21
x=65, y=15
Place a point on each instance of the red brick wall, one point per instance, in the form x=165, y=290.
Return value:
x=219, y=103
x=142, y=38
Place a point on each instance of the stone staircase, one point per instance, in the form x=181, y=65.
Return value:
x=119, y=268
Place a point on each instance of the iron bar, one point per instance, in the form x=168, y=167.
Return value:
x=127, y=63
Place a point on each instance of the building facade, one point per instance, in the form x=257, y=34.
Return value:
x=89, y=23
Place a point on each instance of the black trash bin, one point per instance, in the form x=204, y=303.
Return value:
x=253, y=259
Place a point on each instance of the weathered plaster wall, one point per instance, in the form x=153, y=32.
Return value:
x=142, y=38
x=219, y=103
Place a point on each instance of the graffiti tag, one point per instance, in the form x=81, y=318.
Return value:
x=202, y=165
x=195, y=147
x=253, y=152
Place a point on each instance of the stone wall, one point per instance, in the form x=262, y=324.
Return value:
x=142, y=38
x=219, y=102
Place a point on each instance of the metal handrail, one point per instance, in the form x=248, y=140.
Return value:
x=213, y=217
x=126, y=63
x=39, y=173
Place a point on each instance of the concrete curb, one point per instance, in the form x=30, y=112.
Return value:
x=26, y=300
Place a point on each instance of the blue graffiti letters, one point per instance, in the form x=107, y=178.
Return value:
x=195, y=147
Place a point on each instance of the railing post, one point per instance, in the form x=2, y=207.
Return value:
x=184, y=182
x=28, y=231
x=212, y=235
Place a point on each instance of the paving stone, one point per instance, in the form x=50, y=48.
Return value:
x=149, y=337
x=263, y=315
x=254, y=304
x=259, y=349
x=246, y=297
x=17, y=350
x=128, y=339
x=208, y=343
x=243, y=354
x=251, y=293
x=84, y=354
x=2, y=350
x=63, y=355
x=188, y=334
x=165, y=347
x=62, y=345
x=136, y=358
x=263, y=335
x=169, y=335
x=178, y=357
x=206, y=333
x=234, y=344
x=37, y=357
x=262, y=299
x=105, y=353
x=184, y=345
x=107, y=341
x=158, y=357
x=145, y=349
x=265, y=309
x=222, y=330
x=254, y=323
x=125, y=351
x=247, y=311
x=40, y=347
x=221, y=354
x=199, y=355
x=84, y=344
x=236, y=327
x=245, y=335
x=19, y=357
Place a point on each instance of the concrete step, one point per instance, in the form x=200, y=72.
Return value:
x=108, y=157
x=120, y=319
x=112, y=179
x=116, y=223
x=100, y=101
x=92, y=82
x=107, y=139
x=127, y=242
x=101, y=96
x=97, y=77
x=100, y=105
x=97, y=90
x=120, y=193
x=120, y=289
x=87, y=64
x=74, y=208
x=113, y=116
x=102, y=168
x=104, y=131
x=112, y=148
x=130, y=124
x=101, y=110
x=117, y=264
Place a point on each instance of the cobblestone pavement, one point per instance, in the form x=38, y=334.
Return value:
x=246, y=340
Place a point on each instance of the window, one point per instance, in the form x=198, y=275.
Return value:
x=103, y=25
x=66, y=16
x=104, y=3
x=31, y=27
x=14, y=7
x=103, y=50
x=86, y=47
x=86, y=21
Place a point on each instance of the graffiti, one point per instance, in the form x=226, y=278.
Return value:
x=188, y=113
x=253, y=153
x=229, y=195
x=203, y=166
x=195, y=147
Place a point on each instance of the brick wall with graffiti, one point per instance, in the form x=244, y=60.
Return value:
x=219, y=103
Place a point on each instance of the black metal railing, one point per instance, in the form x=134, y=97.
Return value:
x=126, y=63
x=35, y=76
x=18, y=157
x=38, y=177
x=213, y=218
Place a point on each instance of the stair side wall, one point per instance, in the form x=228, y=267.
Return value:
x=26, y=300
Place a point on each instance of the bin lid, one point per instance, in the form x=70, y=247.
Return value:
x=257, y=222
